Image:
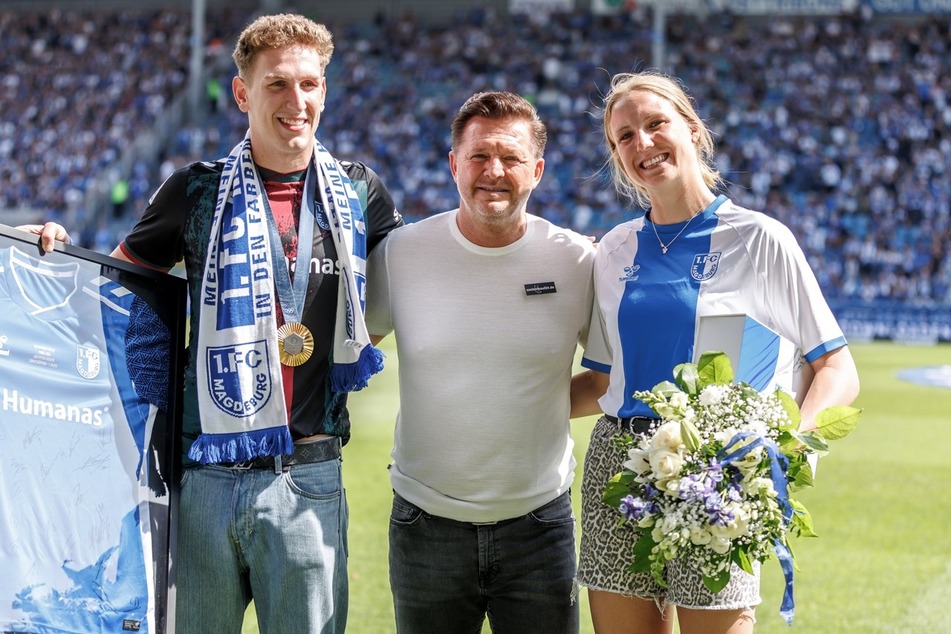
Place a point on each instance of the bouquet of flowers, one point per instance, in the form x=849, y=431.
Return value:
x=711, y=482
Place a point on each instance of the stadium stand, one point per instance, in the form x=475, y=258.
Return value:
x=839, y=126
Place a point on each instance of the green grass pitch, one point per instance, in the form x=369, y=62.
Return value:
x=881, y=505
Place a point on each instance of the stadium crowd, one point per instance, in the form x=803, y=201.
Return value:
x=839, y=127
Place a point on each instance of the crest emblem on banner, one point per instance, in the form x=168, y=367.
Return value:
x=87, y=361
x=238, y=377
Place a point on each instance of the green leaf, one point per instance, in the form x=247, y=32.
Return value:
x=717, y=583
x=688, y=378
x=802, y=520
x=714, y=367
x=642, y=553
x=812, y=441
x=617, y=488
x=792, y=554
x=614, y=492
x=665, y=389
x=789, y=444
x=623, y=443
x=748, y=392
x=800, y=474
x=742, y=559
x=792, y=410
x=837, y=422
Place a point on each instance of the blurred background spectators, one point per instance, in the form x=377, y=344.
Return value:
x=839, y=126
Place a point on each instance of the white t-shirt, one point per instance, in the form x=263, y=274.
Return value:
x=729, y=260
x=486, y=339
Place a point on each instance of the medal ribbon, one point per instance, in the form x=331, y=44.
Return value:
x=291, y=297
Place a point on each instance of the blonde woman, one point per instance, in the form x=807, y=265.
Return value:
x=694, y=253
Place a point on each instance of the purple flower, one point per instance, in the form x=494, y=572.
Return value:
x=734, y=493
x=715, y=471
x=634, y=508
x=713, y=505
x=719, y=516
x=695, y=487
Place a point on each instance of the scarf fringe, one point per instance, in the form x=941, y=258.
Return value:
x=241, y=446
x=350, y=377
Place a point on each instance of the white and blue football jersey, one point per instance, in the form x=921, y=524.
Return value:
x=727, y=261
x=74, y=518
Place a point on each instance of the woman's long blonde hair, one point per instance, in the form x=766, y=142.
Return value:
x=668, y=88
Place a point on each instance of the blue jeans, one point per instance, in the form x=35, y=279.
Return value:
x=446, y=576
x=277, y=538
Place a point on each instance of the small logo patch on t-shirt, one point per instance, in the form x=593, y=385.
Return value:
x=540, y=288
x=131, y=625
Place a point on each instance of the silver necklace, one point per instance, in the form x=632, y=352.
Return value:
x=664, y=247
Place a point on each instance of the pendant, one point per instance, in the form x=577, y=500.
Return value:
x=295, y=343
x=663, y=250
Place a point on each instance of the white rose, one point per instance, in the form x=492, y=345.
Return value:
x=669, y=485
x=665, y=464
x=700, y=536
x=737, y=527
x=667, y=437
x=720, y=545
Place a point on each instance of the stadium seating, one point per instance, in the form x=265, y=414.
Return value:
x=839, y=127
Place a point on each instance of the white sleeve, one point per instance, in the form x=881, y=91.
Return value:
x=796, y=300
x=378, y=317
x=597, y=349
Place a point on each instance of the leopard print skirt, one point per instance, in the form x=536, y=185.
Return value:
x=606, y=547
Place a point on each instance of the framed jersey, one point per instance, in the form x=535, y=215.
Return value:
x=90, y=413
x=759, y=356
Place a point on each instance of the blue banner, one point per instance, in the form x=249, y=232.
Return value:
x=909, y=6
x=893, y=321
x=833, y=7
x=789, y=7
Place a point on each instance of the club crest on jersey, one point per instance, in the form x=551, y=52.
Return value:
x=320, y=216
x=238, y=377
x=704, y=266
x=87, y=361
x=630, y=273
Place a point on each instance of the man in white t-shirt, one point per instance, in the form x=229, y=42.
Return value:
x=488, y=304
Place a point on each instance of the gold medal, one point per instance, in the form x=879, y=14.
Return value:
x=295, y=343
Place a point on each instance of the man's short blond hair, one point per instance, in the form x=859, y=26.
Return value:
x=279, y=31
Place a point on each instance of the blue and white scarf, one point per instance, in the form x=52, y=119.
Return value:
x=240, y=389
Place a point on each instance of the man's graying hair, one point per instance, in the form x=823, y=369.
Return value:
x=500, y=106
